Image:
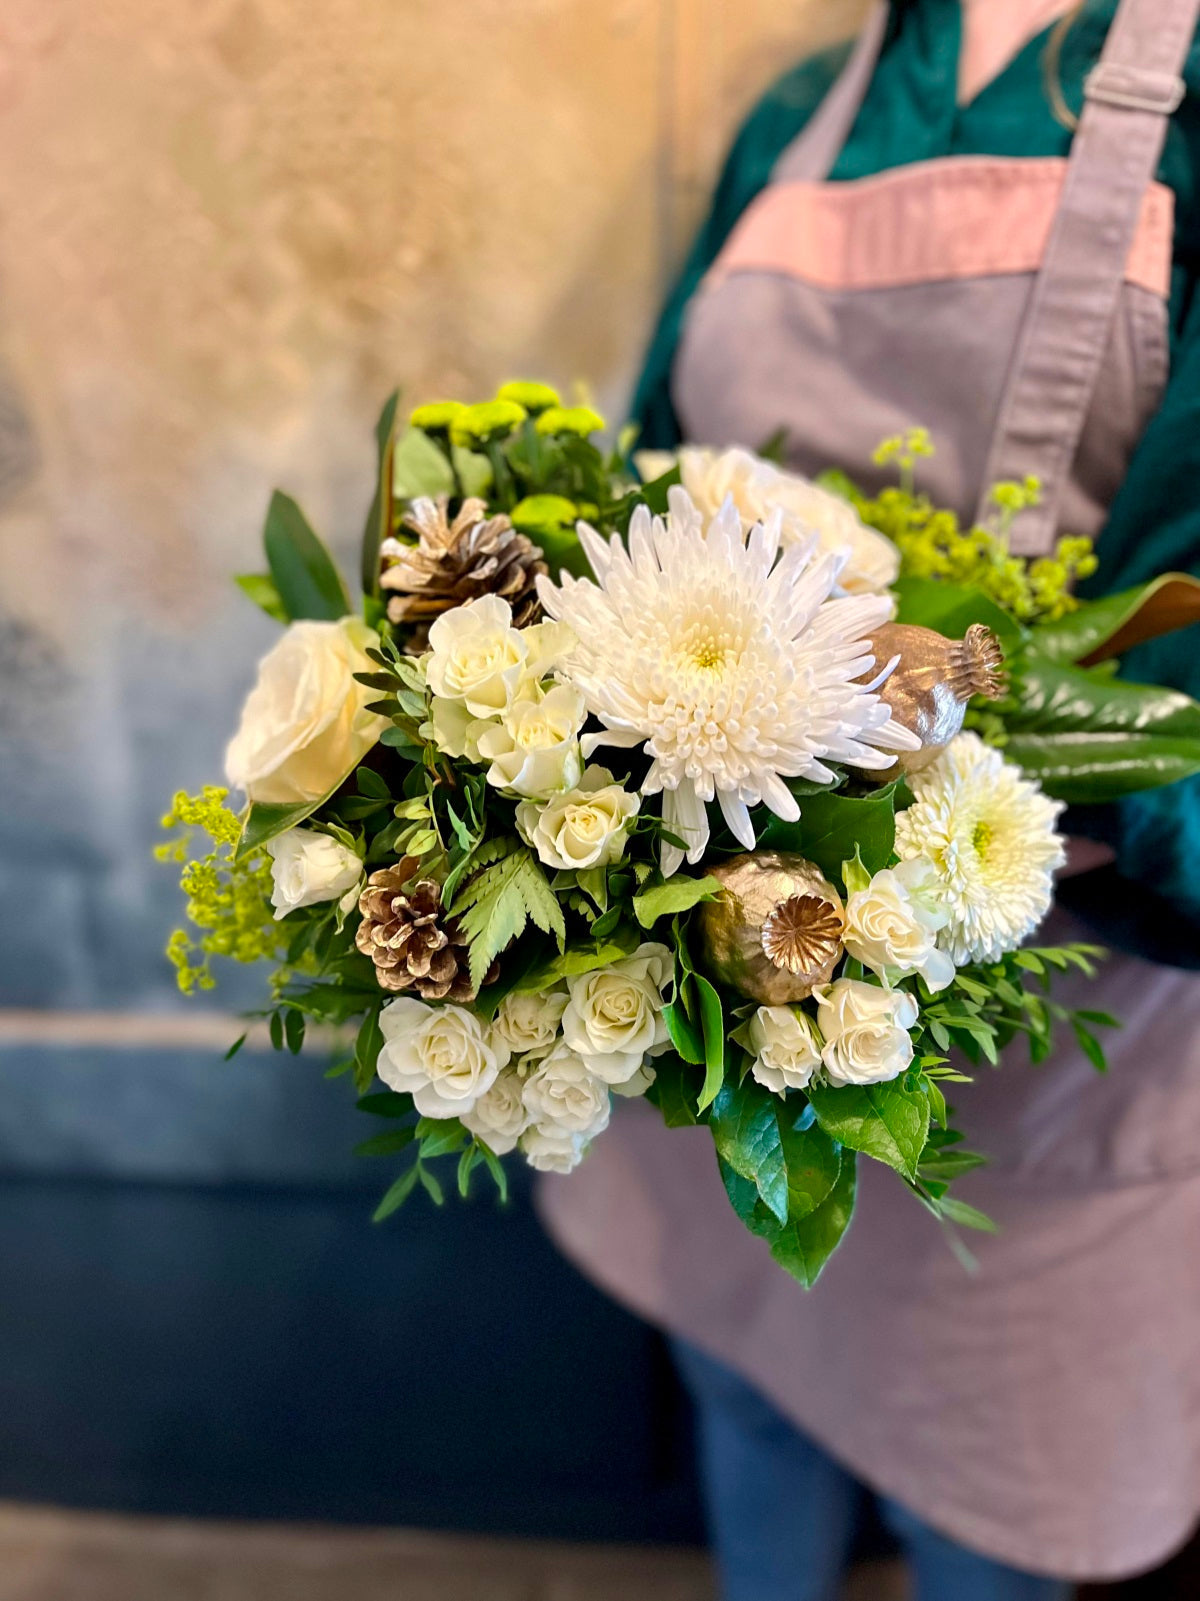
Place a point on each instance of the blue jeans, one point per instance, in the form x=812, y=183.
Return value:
x=782, y=1514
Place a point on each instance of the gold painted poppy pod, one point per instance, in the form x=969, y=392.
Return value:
x=776, y=931
x=930, y=686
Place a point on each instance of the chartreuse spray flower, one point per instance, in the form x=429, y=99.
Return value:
x=228, y=901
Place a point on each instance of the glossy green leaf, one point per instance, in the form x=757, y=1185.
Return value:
x=1110, y=626
x=804, y=1245
x=950, y=609
x=685, y=1035
x=678, y=894
x=378, y=523
x=885, y=1121
x=303, y=572
x=674, y=1091
x=813, y=1161
x=745, y=1130
x=713, y=1033
x=833, y=827
x=419, y=467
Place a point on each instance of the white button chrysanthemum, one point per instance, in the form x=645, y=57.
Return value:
x=990, y=835
x=727, y=660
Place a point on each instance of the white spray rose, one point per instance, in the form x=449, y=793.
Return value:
x=582, y=827
x=527, y=1021
x=758, y=487
x=552, y=1150
x=307, y=868
x=562, y=1093
x=615, y=1014
x=892, y=925
x=866, y=1031
x=785, y=1047
x=456, y=731
x=534, y=748
x=305, y=725
x=476, y=656
x=498, y=1117
x=437, y=1054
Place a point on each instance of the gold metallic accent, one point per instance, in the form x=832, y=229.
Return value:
x=775, y=932
x=932, y=682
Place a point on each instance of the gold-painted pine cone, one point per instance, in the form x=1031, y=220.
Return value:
x=776, y=932
x=930, y=686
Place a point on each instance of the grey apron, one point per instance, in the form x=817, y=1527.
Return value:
x=1045, y=1409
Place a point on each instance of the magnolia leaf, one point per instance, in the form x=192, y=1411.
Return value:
x=1100, y=629
x=303, y=572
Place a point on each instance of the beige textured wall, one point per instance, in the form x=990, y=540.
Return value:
x=228, y=228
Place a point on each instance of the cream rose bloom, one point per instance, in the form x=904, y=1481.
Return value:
x=527, y=1021
x=865, y=1029
x=552, y=1150
x=615, y=1014
x=757, y=487
x=476, y=656
x=562, y=1093
x=583, y=827
x=534, y=748
x=305, y=724
x=437, y=1054
x=892, y=925
x=637, y=1085
x=456, y=731
x=785, y=1047
x=308, y=867
x=498, y=1117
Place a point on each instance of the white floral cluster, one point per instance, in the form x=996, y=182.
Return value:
x=540, y=1075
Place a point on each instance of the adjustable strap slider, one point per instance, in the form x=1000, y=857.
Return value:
x=1134, y=88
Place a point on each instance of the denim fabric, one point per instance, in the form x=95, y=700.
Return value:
x=782, y=1513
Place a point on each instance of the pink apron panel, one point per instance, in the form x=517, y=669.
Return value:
x=847, y=312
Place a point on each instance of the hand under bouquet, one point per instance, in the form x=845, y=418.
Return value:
x=698, y=782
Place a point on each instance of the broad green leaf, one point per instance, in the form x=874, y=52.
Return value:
x=385, y=1103
x=804, y=1245
x=813, y=1161
x=833, y=827
x=745, y=1130
x=885, y=1121
x=378, y=524
x=674, y=1092
x=713, y=1032
x=308, y=583
x=743, y=1197
x=950, y=609
x=260, y=588
x=1100, y=629
x=685, y=1035
x=678, y=894
x=419, y=467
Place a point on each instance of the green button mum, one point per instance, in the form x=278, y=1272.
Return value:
x=534, y=397
x=581, y=420
x=491, y=419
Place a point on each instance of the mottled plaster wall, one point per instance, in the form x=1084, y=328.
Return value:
x=228, y=227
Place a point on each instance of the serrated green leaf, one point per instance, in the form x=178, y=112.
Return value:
x=885, y=1121
x=804, y=1245
x=440, y=1136
x=745, y=1131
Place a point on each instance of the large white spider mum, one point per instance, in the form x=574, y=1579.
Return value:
x=990, y=834
x=727, y=660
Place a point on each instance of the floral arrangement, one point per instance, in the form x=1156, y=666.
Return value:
x=682, y=778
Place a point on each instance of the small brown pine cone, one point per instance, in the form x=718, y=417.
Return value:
x=405, y=935
x=455, y=561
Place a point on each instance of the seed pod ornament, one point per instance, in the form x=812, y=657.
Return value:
x=776, y=932
x=930, y=686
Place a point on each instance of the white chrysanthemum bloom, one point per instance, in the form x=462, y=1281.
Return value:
x=757, y=487
x=990, y=835
x=728, y=660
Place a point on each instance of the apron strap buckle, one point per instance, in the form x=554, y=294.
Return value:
x=1134, y=88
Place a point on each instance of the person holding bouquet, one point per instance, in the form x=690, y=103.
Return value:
x=982, y=218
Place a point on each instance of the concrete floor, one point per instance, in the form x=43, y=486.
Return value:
x=48, y=1555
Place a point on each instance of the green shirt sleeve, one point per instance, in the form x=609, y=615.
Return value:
x=772, y=125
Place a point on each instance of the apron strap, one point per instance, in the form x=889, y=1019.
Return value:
x=1129, y=96
x=809, y=158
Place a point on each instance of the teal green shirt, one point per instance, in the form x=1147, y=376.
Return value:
x=911, y=114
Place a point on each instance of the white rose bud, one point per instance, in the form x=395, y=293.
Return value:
x=614, y=1016
x=305, y=725
x=534, y=748
x=561, y=1093
x=456, y=731
x=498, y=1117
x=581, y=828
x=477, y=656
x=891, y=926
x=308, y=867
x=437, y=1054
x=527, y=1021
x=785, y=1047
x=552, y=1150
x=866, y=1031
